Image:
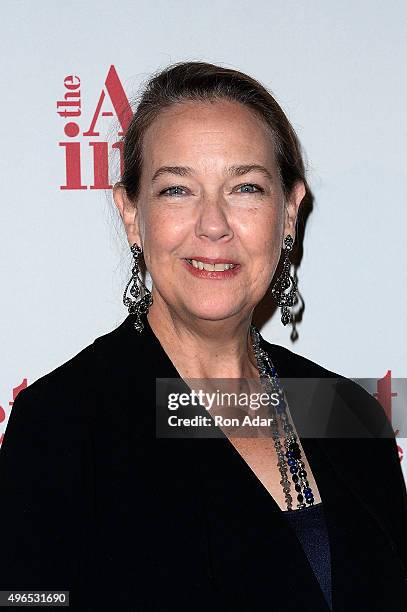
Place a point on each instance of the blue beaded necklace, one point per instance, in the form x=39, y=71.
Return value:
x=288, y=453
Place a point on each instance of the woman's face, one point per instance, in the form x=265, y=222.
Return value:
x=210, y=196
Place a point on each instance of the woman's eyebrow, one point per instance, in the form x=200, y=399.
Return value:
x=178, y=170
x=231, y=171
x=246, y=168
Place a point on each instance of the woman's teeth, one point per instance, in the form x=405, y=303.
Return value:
x=218, y=267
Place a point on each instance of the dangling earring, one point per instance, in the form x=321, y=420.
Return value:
x=141, y=303
x=283, y=283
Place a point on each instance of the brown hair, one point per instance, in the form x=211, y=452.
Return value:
x=205, y=82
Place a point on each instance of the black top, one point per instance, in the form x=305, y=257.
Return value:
x=94, y=503
x=310, y=528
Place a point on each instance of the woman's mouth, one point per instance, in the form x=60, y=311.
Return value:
x=213, y=269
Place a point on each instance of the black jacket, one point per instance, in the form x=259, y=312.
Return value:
x=92, y=502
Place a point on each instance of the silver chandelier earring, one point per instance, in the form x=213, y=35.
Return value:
x=141, y=294
x=284, y=282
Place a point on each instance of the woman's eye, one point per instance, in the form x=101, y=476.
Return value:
x=170, y=190
x=175, y=190
x=250, y=185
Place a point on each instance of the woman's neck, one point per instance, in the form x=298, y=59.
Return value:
x=200, y=348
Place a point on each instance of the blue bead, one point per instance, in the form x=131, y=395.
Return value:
x=293, y=470
x=291, y=462
x=307, y=490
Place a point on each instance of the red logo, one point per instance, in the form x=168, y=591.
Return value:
x=16, y=391
x=384, y=395
x=70, y=109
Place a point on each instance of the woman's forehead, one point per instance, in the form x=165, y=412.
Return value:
x=200, y=116
x=210, y=130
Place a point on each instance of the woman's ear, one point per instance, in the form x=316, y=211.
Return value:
x=292, y=207
x=128, y=212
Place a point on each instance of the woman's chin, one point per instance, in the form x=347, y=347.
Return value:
x=212, y=312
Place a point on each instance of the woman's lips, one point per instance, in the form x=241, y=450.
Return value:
x=212, y=274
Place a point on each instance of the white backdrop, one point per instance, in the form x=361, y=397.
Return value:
x=335, y=67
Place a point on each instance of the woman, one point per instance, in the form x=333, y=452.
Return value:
x=94, y=502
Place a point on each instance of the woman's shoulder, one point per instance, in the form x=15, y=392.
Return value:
x=82, y=369
x=352, y=405
x=357, y=426
x=57, y=410
x=68, y=393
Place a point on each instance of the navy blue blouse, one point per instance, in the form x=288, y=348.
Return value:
x=310, y=528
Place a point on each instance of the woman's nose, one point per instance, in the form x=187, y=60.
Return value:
x=212, y=222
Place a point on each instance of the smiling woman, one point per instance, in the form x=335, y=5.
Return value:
x=102, y=503
x=230, y=207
